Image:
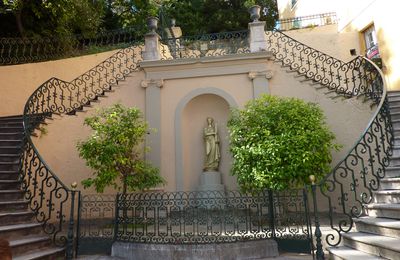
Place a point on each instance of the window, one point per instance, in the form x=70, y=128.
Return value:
x=371, y=43
x=294, y=3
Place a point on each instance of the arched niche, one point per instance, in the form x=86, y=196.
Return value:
x=190, y=119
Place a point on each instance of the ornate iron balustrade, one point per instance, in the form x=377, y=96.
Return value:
x=308, y=21
x=96, y=223
x=216, y=44
x=25, y=50
x=48, y=197
x=211, y=217
x=350, y=187
x=346, y=79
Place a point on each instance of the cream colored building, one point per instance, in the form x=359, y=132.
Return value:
x=372, y=23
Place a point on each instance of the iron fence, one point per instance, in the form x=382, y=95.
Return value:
x=205, y=45
x=308, y=21
x=213, y=217
x=25, y=50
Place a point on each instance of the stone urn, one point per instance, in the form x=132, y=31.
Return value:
x=152, y=23
x=255, y=13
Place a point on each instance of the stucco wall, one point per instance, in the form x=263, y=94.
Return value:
x=19, y=81
x=188, y=100
x=304, y=8
x=328, y=40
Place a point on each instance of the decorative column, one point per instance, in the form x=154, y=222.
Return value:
x=260, y=82
x=151, y=46
x=153, y=117
x=258, y=39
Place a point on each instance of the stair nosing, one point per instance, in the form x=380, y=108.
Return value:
x=39, y=254
x=373, y=243
x=19, y=226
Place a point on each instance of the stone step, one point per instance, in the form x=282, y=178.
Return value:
x=392, y=172
x=10, y=129
x=22, y=245
x=10, y=184
x=387, y=196
x=15, y=123
x=390, y=184
x=347, y=253
x=11, y=136
x=9, y=166
x=15, y=143
x=378, y=226
x=16, y=231
x=16, y=118
x=396, y=140
x=383, y=210
x=9, y=157
x=394, y=160
x=9, y=218
x=9, y=175
x=43, y=254
x=377, y=245
x=11, y=195
x=17, y=149
x=394, y=115
x=396, y=149
x=13, y=206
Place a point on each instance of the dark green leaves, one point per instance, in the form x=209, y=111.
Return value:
x=114, y=150
x=278, y=142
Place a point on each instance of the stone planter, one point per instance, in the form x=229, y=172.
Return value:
x=255, y=13
x=152, y=23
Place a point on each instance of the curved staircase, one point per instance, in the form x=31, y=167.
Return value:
x=17, y=225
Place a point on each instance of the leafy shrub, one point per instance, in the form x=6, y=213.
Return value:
x=114, y=151
x=277, y=143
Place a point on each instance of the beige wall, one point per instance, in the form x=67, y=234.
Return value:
x=347, y=118
x=19, y=81
x=328, y=40
x=358, y=15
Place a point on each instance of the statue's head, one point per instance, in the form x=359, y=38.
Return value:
x=210, y=120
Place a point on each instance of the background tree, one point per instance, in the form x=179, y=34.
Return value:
x=115, y=149
x=212, y=16
x=277, y=143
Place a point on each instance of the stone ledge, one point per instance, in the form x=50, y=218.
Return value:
x=258, y=249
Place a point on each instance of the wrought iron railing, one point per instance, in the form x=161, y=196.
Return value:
x=25, y=50
x=51, y=200
x=346, y=79
x=349, y=188
x=216, y=44
x=211, y=217
x=308, y=21
x=96, y=224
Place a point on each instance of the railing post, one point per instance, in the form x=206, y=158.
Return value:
x=320, y=253
x=78, y=224
x=70, y=236
x=152, y=42
x=116, y=217
x=271, y=213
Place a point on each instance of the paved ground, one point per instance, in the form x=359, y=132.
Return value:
x=285, y=256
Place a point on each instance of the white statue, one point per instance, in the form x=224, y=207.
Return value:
x=213, y=154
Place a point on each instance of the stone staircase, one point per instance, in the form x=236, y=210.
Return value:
x=17, y=223
x=377, y=236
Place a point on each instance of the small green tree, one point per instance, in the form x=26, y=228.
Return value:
x=277, y=143
x=114, y=151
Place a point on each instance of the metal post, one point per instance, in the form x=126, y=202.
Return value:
x=116, y=217
x=308, y=220
x=320, y=253
x=70, y=237
x=78, y=221
x=271, y=213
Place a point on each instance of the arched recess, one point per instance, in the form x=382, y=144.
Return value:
x=179, y=157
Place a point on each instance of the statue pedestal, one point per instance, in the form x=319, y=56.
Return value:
x=211, y=181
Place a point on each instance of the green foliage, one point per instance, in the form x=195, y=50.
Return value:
x=277, y=143
x=114, y=151
x=212, y=16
